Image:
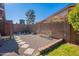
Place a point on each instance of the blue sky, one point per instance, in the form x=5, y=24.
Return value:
x=16, y=11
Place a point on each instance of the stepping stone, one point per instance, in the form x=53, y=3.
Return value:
x=29, y=51
x=21, y=43
x=16, y=38
x=24, y=46
x=10, y=54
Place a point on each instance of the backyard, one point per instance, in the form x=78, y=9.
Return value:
x=64, y=49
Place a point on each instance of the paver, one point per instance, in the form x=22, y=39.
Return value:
x=29, y=51
x=10, y=54
x=21, y=43
x=25, y=46
x=17, y=37
x=18, y=41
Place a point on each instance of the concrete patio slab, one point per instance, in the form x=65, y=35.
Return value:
x=29, y=51
x=36, y=41
x=27, y=45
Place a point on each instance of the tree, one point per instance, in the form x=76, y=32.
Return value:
x=73, y=18
x=30, y=16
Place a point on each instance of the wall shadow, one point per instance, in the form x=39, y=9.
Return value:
x=8, y=46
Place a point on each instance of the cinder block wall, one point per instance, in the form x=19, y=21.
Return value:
x=56, y=30
x=19, y=27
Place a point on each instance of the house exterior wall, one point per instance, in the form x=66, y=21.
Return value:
x=8, y=28
x=2, y=28
x=2, y=18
